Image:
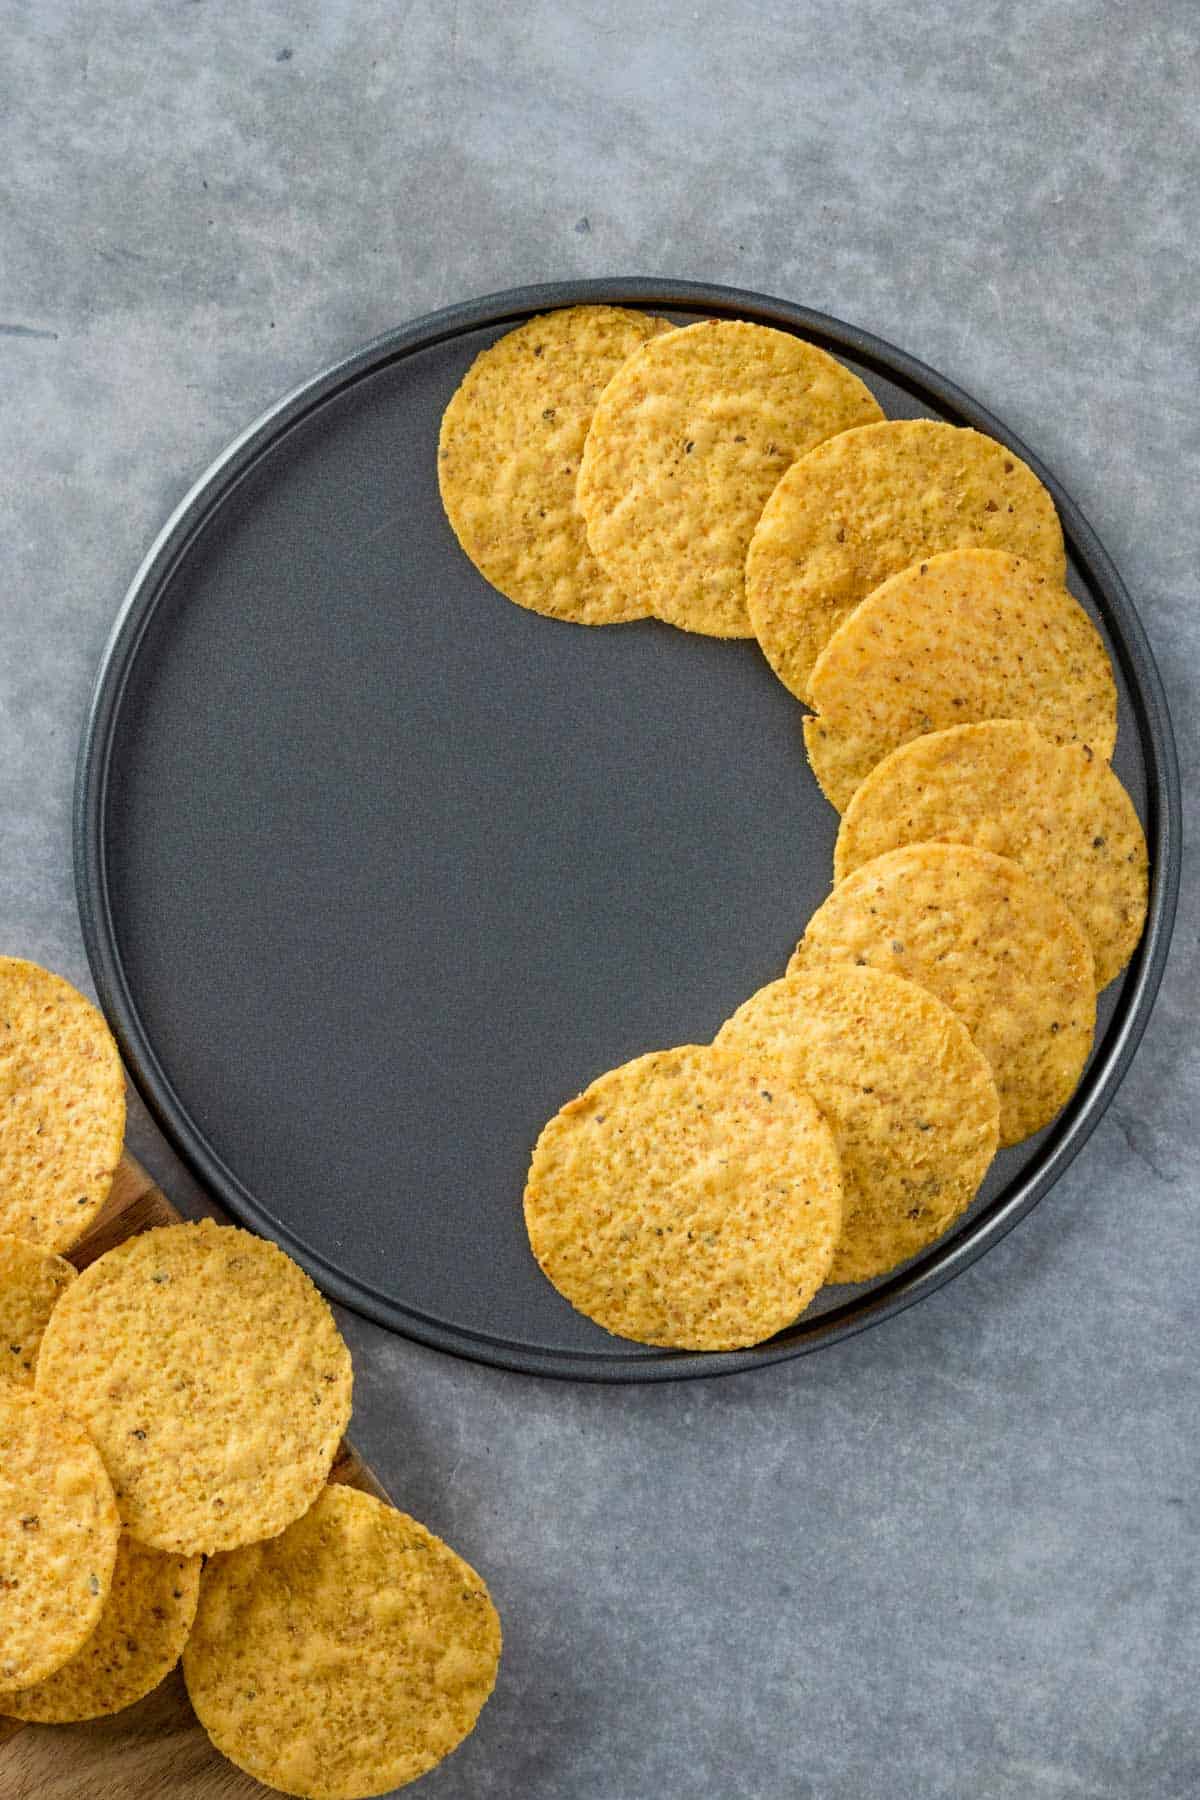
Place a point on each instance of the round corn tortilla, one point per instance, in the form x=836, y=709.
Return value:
x=965, y=637
x=683, y=1201
x=687, y=442
x=509, y=451
x=1057, y=809
x=58, y=1538
x=137, y=1641
x=62, y=1107
x=867, y=504
x=994, y=945
x=31, y=1282
x=344, y=1658
x=910, y=1100
x=211, y=1374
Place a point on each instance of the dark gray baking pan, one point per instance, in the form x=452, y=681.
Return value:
x=377, y=869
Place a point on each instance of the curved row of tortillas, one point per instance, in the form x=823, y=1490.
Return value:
x=905, y=579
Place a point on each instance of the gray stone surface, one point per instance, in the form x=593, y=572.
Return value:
x=958, y=1555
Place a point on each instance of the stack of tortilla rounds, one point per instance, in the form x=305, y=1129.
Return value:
x=905, y=580
x=168, y=1421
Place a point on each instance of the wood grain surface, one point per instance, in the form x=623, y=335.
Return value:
x=155, y=1750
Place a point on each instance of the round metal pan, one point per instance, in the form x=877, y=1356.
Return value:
x=377, y=869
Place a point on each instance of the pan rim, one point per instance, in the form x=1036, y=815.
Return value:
x=943, y=1261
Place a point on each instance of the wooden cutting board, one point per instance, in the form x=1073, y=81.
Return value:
x=155, y=1750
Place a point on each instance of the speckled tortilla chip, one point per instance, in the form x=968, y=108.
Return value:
x=58, y=1538
x=682, y=1201
x=1057, y=809
x=509, y=452
x=344, y=1658
x=867, y=504
x=138, y=1639
x=995, y=946
x=911, y=1101
x=687, y=442
x=31, y=1282
x=962, y=638
x=211, y=1374
x=62, y=1107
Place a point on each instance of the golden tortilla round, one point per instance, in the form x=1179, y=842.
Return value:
x=683, y=1201
x=58, y=1538
x=31, y=1282
x=138, y=1640
x=962, y=638
x=211, y=1374
x=1057, y=809
x=345, y=1657
x=910, y=1100
x=687, y=442
x=62, y=1107
x=867, y=504
x=508, y=456
x=998, y=948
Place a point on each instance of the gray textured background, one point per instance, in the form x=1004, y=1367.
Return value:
x=954, y=1557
